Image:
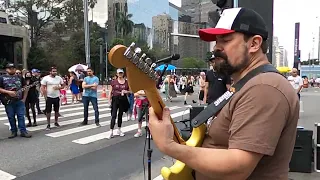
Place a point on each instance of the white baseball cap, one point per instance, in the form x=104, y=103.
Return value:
x=120, y=71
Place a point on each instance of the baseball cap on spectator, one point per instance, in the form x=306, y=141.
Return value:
x=34, y=70
x=242, y=20
x=120, y=71
x=10, y=65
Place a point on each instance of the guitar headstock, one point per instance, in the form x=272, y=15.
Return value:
x=139, y=68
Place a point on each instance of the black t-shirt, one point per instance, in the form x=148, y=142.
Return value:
x=33, y=92
x=12, y=83
x=217, y=85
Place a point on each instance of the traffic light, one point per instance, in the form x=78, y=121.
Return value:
x=223, y=4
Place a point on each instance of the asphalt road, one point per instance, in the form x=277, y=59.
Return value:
x=72, y=152
x=83, y=153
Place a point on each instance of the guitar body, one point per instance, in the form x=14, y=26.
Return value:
x=141, y=76
x=6, y=99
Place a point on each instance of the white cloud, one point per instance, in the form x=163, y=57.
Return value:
x=176, y=2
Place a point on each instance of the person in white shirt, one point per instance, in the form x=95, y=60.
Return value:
x=50, y=86
x=296, y=81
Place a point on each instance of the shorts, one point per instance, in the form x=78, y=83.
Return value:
x=52, y=101
x=201, y=95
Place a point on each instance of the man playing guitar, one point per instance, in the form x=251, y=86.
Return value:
x=254, y=134
x=9, y=85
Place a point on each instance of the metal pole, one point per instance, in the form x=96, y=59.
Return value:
x=235, y=3
x=86, y=33
x=101, y=63
x=106, y=41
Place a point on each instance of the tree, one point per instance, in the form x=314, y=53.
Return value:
x=38, y=14
x=190, y=62
x=73, y=15
x=124, y=25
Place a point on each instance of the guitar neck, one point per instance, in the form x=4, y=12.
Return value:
x=158, y=105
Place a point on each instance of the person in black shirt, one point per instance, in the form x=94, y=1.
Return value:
x=36, y=76
x=31, y=98
x=216, y=83
x=10, y=83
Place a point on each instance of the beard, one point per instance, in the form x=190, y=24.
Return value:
x=224, y=67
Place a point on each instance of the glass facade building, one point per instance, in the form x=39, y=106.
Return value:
x=311, y=71
x=159, y=24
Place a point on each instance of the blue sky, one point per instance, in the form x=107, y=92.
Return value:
x=144, y=10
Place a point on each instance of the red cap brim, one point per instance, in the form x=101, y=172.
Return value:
x=211, y=33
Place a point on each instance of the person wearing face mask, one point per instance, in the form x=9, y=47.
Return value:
x=253, y=135
x=9, y=84
x=31, y=99
x=50, y=87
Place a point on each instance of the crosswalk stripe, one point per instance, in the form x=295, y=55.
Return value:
x=100, y=136
x=67, y=115
x=6, y=176
x=63, y=109
x=87, y=127
x=158, y=178
x=104, y=135
x=64, y=123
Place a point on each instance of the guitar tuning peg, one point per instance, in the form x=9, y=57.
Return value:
x=137, y=50
x=148, y=61
x=153, y=65
x=129, y=53
x=132, y=45
x=143, y=57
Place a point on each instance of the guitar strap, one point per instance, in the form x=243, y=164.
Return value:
x=212, y=109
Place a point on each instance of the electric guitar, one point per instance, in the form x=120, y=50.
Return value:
x=142, y=76
x=6, y=99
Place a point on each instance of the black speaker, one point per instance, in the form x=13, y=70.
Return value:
x=301, y=160
x=195, y=110
x=317, y=148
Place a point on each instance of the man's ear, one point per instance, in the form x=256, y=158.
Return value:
x=256, y=42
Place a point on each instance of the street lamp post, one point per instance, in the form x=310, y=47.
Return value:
x=106, y=42
x=86, y=33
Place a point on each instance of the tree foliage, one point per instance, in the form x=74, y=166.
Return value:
x=190, y=62
x=38, y=14
x=57, y=35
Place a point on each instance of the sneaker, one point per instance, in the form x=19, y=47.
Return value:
x=25, y=135
x=83, y=123
x=57, y=124
x=120, y=133
x=48, y=127
x=35, y=124
x=110, y=135
x=29, y=124
x=138, y=134
x=98, y=124
x=13, y=135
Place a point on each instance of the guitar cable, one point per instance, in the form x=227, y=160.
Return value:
x=145, y=144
